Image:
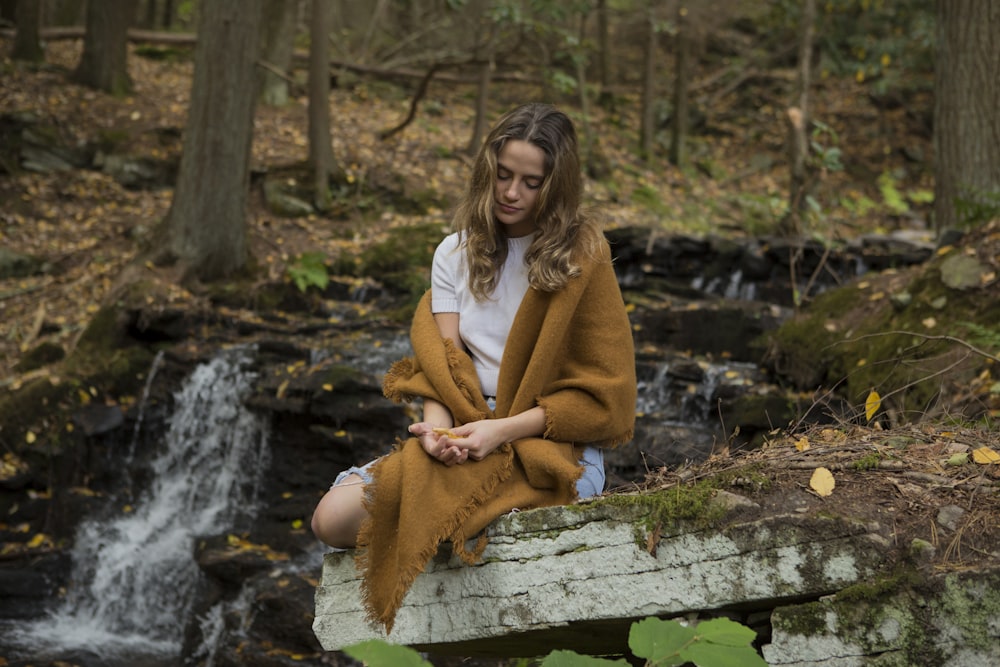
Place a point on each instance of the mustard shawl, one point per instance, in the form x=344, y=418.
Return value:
x=570, y=352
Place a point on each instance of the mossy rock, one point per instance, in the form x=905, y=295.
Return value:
x=856, y=339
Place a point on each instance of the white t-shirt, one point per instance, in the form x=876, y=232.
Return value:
x=483, y=326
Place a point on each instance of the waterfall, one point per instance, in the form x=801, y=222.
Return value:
x=134, y=576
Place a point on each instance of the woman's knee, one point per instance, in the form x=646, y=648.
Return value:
x=339, y=514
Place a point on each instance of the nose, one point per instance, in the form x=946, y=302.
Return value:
x=512, y=192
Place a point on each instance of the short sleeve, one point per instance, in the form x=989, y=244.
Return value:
x=445, y=274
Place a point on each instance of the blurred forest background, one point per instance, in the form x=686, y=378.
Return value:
x=301, y=128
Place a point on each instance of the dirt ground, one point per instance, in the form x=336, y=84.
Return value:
x=919, y=482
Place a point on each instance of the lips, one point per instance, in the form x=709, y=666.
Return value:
x=509, y=210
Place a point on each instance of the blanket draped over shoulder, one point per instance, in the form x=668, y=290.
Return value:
x=570, y=352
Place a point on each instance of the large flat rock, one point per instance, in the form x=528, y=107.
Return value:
x=576, y=577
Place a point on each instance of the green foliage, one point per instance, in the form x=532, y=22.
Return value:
x=379, y=653
x=826, y=157
x=974, y=208
x=309, y=270
x=982, y=336
x=718, y=642
x=881, y=42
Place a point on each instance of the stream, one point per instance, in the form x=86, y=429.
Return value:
x=134, y=577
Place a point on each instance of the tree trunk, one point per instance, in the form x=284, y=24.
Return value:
x=278, y=34
x=679, y=126
x=206, y=224
x=168, y=14
x=27, y=42
x=104, y=63
x=606, y=97
x=647, y=129
x=797, y=117
x=320, y=145
x=480, y=124
x=967, y=114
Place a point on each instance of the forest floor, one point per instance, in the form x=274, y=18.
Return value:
x=88, y=228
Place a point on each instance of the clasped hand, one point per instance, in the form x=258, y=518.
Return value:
x=458, y=444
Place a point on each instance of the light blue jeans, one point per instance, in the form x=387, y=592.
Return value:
x=591, y=482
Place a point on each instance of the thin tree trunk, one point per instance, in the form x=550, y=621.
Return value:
x=647, y=129
x=277, y=36
x=966, y=113
x=104, y=62
x=679, y=126
x=486, y=66
x=579, y=58
x=797, y=117
x=27, y=42
x=606, y=97
x=206, y=224
x=320, y=145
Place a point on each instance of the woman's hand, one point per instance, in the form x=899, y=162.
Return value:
x=437, y=444
x=479, y=439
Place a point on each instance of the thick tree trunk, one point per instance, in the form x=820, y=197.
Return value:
x=104, y=63
x=320, y=145
x=966, y=113
x=27, y=42
x=278, y=34
x=206, y=225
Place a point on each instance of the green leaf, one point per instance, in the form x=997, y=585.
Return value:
x=725, y=631
x=657, y=640
x=573, y=659
x=705, y=654
x=379, y=653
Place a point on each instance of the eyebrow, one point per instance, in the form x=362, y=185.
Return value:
x=501, y=165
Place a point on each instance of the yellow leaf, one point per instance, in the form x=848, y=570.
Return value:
x=802, y=444
x=297, y=524
x=985, y=455
x=282, y=389
x=30, y=437
x=822, y=482
x=38, y=540
x=327, y=387
x=872, y=404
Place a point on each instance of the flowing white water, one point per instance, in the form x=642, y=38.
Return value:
x=134, y=576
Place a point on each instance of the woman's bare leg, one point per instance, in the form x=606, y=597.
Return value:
x=339, y=514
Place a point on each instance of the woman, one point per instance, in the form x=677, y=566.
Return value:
x=523, y=357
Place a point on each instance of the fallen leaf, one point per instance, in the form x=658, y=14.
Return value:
x=822, y=482
x=802, y=444
x=985, y=455
x=872, y=404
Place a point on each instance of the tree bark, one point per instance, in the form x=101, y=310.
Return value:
x=966, y=113
x=797, y=117
x=606, y=97
x=104, y=63
x=27, y=41
x=206, y=224
x=647, y=129
x=277, y=37
x=679, y=126
x=320, y=145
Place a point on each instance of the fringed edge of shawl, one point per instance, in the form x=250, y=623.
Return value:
x=399, y=371
x=452, y=531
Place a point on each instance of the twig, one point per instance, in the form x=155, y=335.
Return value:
x=417, y=96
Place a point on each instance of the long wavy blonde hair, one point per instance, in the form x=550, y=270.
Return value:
x=564, y=231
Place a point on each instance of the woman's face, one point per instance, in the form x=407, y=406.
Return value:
x=520, y=173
